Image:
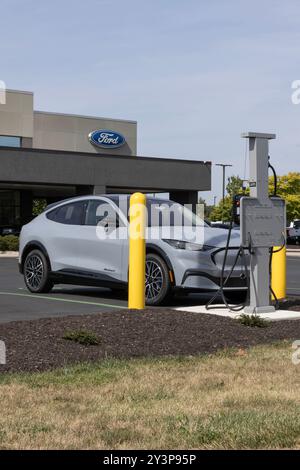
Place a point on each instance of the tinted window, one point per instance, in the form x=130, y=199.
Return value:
x=70, y=214
x=157, y=210
x=164, y=213
x=8, y=141
x=99, y=211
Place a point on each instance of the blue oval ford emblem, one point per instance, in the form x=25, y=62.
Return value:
x=106, y=138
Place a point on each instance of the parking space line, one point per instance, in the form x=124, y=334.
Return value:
x=37, y=296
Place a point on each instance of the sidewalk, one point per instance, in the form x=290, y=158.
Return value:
x=225, y=312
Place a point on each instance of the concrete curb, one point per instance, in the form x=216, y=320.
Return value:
x=9, y=254
x=225, y=312
x=293, y=253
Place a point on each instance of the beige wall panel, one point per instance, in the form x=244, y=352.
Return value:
x=70, y=133
x=16, y=115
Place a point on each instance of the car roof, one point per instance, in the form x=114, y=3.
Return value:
x=112, y=197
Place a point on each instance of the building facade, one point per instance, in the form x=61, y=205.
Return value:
x=51, y=156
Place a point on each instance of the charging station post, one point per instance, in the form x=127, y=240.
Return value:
x=262, y=222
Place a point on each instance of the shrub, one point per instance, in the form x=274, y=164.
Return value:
x=3, y=244
x=82, y=337
x=9, y=243
x=252, y=320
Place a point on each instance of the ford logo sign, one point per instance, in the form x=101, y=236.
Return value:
x=106, y=138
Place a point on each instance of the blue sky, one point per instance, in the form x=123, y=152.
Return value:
x=193, y=73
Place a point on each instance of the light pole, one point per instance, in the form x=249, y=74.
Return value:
x=215, y=200
x=223, y=165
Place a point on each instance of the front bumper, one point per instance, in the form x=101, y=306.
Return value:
x=198, y=280
x=201, y=271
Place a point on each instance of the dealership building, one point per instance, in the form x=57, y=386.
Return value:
x=54, y=156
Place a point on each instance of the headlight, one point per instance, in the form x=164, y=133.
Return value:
x=182, y=245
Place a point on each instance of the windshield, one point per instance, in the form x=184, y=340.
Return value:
x=297, y=224
x=164, y=213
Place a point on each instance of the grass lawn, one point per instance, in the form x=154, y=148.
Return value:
x=235, y=399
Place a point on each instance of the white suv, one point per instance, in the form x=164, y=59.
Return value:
x=62, y=246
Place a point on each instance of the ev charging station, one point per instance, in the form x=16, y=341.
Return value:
x=262, y=228
x=262, y=223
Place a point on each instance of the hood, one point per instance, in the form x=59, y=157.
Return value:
x=218, y=237
x=206, y=235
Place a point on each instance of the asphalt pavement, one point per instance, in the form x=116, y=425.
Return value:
x=17, y=303
x=293, y=274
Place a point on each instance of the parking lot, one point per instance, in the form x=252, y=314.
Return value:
x=17, y=303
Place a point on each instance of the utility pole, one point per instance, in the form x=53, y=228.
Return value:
x=223, y=165
x=215, y=200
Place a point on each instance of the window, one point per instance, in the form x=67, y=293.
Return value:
x=10, y=209
x=158, y=213
x=70, y=214
x=8, y=141
x=99, y=211
x=165, y=213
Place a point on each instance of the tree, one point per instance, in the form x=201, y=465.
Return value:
x=207, y=208
x=38, y=205
x=222, y=211
x=234, y=185
x=288, y=187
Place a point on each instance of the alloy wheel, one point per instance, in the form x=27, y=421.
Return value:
x=154, y=279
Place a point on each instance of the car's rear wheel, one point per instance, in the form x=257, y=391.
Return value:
x=37, y=272
x=158, y=285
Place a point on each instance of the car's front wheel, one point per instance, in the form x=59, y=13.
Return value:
x=158, y=285
x=36, y=272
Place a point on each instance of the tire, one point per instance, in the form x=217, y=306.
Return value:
x=236, y=297
x=158, y=285
x=36, y=272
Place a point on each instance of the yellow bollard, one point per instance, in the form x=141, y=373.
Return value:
x=137, y=251
x=278, y=280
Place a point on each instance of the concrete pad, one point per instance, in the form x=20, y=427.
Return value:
x=225, y=312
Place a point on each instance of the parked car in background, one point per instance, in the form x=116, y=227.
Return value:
x=224, y=225
x=293, y=232
x=61, y=246
x=10, y=231
x=219, y=224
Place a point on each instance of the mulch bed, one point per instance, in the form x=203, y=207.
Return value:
x=38, y=345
